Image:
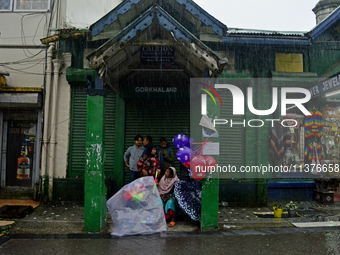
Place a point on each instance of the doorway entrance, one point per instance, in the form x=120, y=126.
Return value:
x=20, y=149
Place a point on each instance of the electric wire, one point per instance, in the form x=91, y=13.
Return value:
x=23, y=61
x=31, y=57
x=23, y=72
x=29, y=67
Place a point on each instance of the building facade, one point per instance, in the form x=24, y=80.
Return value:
x=147, y=51
x=35, y=96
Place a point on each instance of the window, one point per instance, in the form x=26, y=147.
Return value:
x=289, y=62
x=24, y=5
x=33, y=5
x=5, y=5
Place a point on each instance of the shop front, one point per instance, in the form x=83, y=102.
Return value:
x=148, y=67
x=310, y=149
x=20, y=124
x=326, y=110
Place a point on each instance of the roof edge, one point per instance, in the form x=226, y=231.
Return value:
x=325, y=24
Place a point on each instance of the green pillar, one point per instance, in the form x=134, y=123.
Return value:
x=264, y=101
x=119, y=143
x=210, y=184
x=95, y=212
x=250, y=133
x=210, y=195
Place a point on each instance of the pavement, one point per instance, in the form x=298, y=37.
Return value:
x=266, y=241
x=68, y=218
x=310, y=214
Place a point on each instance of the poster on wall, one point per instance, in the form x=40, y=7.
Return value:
x=20, y=153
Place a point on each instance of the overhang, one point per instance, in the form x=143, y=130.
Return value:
x=120, y=55
x=16, y=100
x=130, y=8
x=325, y=24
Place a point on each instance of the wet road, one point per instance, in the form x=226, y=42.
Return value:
x=281, y=243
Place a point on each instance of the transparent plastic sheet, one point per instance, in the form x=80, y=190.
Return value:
x=137, y=209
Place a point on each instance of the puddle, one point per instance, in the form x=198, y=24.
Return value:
x=15, y=211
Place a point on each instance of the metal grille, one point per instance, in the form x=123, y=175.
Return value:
x=232, y=139
x=156, y=118
x=78, y=132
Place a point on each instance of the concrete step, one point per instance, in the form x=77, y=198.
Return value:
x=16, y=193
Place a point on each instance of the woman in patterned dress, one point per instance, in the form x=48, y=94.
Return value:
x=148, y=163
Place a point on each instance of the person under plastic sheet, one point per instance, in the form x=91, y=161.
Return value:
x=148, y=163
x=166, y=188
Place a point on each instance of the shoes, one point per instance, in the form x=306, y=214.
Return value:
x=172, y=223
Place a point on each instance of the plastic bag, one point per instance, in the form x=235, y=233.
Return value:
x=137, y=209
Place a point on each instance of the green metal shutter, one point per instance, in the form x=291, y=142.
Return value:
x=78, y=132
x=232, y=144
x=156, y=118
x=110, y=120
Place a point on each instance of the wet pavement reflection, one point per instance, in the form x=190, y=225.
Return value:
x=283, y=241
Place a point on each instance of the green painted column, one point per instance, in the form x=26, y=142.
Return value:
x=119, y=143
x=257, y=151
x=95, y=212
x=210, y=196
x=250, y=140
x=210, y=184
x=264, y=101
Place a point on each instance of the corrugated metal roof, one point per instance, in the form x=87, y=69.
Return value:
x=243, y=31
x=266, y=40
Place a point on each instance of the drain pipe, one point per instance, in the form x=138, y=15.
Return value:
x=47, y=108
x=56, y=65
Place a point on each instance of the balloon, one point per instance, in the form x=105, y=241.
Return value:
x=187, y=164
x=211, y=162
x=135, y=198
x=183, y=154
x=140, y=196
x=180, y=140
x=127, y=196
x=198, y=167
x=197, y=175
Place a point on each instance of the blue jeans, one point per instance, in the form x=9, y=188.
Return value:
x=134, y=175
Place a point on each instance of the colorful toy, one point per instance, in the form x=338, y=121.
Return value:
x=154, y=187
x=183, y=154
x=134, y=192
x=156, y=177
x=180, y=140
x=210, y=161
x=198, y=167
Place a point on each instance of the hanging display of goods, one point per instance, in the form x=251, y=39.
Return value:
x=314, y=125
x=314, y=152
